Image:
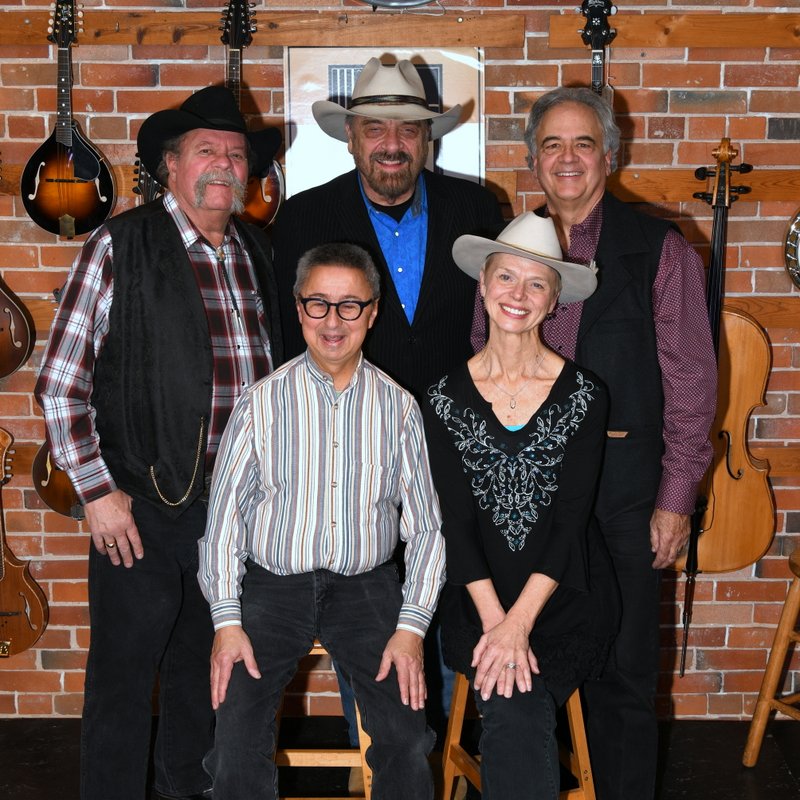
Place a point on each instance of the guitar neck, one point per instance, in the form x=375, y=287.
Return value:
x=64, y=98
x=234, y=77
x=598, y=71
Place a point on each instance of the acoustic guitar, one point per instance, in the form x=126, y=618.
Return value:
x=67, y=186
x=264, y=194
x=23, y=606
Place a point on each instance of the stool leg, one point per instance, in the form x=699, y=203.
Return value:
x=455, y=724
x=580, y=765
x=364, y=741
x=772, y=674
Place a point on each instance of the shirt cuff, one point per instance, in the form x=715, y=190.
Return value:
x=225, y=613
x=677, y=495
x=92, y=480
x=415, y=619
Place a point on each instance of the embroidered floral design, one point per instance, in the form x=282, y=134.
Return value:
x=513, y=486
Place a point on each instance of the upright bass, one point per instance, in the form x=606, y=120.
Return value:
x=735, y=518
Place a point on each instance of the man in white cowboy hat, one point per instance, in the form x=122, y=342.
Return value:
x=404, y=215
x=167, y=315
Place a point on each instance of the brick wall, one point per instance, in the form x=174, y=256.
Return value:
x=675, y=102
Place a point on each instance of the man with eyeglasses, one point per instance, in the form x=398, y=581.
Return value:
x=322, y=470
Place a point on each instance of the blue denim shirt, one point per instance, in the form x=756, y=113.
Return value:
x=403, y=244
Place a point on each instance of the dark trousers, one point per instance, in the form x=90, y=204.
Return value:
x=620, y=707
x=353, y=617
x=519, y=750
x=148, y=620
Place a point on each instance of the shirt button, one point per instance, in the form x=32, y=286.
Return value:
x=397, y=233
x=399, y=269
x=334, y=484
x=333, y=524
x=336, y=444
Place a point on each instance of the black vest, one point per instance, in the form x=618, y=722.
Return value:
x=153, y=378
x=617, y=338
x=617, y=341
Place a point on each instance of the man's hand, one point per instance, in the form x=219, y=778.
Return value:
x=404, y=650
x=669, y=533
x=231, y=644
x=114, y=532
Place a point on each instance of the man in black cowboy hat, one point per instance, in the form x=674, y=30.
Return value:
x=168, y=313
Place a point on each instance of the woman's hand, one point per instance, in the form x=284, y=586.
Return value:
x=503, y=658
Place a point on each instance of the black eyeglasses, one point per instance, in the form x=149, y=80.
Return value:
x=348, y=310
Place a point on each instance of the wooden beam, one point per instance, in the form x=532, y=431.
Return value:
x=769, y=312
x=287, y=28
x=676, y=184
x=687, y=30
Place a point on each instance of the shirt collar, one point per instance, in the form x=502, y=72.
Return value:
x=321, y=377
x=187, y=229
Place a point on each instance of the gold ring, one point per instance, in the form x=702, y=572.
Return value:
x=111, y=544
x=511, y=665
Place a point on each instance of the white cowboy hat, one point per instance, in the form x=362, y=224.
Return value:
x=533, y=237
x=384, y=92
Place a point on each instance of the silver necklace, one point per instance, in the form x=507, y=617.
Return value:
x=512, y=402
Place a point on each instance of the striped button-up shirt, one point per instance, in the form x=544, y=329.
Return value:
x=308, y=478
x=240, y=345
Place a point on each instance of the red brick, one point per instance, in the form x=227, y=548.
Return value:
x=761, y=75
x=35, y=705
x=690, y=75
x=68, y=705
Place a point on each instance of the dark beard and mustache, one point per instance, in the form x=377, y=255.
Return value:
x=394, y=185
x=207, y=178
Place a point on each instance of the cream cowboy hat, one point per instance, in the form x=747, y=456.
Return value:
x=533, y=237
x=384, y=92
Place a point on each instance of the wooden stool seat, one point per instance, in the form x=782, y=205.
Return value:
x=456, y=760
x=330, y=757
x=769, y=697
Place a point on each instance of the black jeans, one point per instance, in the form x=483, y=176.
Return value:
x=620, y=707
x=353, y=617
x=148, y=620
x=519, y=750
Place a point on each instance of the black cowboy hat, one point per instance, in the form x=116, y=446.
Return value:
x=214, y=108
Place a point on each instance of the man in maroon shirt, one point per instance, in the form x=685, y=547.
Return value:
x=645, y=332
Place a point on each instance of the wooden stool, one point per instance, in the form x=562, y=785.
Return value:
x=318, y=757
x=768, y=698
x=457, y=761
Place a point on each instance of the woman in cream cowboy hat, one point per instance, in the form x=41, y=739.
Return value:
x=516, y=437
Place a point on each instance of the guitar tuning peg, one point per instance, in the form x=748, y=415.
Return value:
x=707, y=196
x=701, y=173
x=612, y=11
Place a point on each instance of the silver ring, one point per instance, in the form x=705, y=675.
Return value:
x=511, y=665
x=111, y=544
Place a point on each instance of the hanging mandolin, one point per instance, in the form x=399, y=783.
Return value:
x=264, y=193
x=23, y=606
x=67, y=186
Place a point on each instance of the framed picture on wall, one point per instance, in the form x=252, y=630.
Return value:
x=450, y=77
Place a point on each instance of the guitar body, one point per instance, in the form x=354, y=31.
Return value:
x=54, y=486
x=16, y=332
x=263, y=197
x=23, y=607
x=68, y=189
